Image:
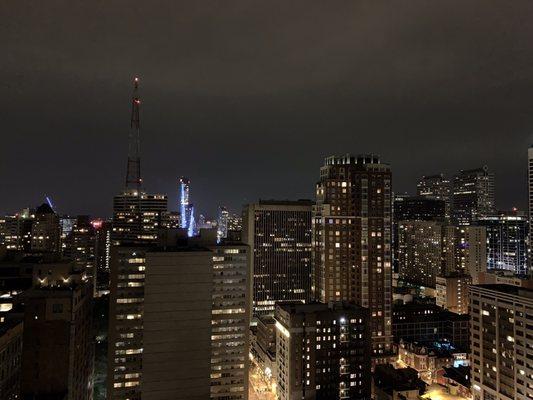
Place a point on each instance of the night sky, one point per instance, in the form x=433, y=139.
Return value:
x=247, y=97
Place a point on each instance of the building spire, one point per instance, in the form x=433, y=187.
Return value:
x=133, y=174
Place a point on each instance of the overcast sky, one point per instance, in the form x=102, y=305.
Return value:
x=248, y=97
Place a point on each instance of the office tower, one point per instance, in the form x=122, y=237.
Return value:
x=279, y=236
x=473, y=195
x=471, y=247
x=196, y=322
x=102, y=254
x=530, y=184
x=137, y=216
x=58, y=351
x=222, y=223
x=452, y=292
x=45, y=232
x=419, y=252
x=507, y=235
x=323, y=351
x=177, y=324
x=436, y=187
x=184, y=203
x=418, y=208
x=414, y=208
x=230, y=322
x=352, y=239
x=501, y=342
x=125, y=338
x=15, y=231
x=11, y=331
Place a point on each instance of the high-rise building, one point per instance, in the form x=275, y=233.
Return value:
x=414, y=208
x=15, y=231
x=530, y=183
x=419, y=252
x=452, y=292
x=437, y=187
x=181, y=329
x=176, y=358
x=507, y=235
x=230, y=322
x=185, y=206
x=58, y=350
x=125, y=336
x=473, y=195
x=222, y=223
x=323, y=351
x=501, y=344
x=46, y=231
x=471, y=250
x=137, y=216
x=352, y=239
x=279, y=236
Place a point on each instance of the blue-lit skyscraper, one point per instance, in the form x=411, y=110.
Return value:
x=185, y=207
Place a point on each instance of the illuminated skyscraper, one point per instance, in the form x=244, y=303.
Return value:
x=184, y=203
x=222, y=223
x=507, y=241
x=352, y=239
x=137, y=216
x=279, y=235
x=437, y=187
x=473, y=195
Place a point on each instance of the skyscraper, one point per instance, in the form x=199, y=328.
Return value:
x=279, y=235
x=473, y=195
x=507, y=235
x=137, y=216
x=352, y=239
x=185, y=206
x=125, y=336
x=222, y=223
x=501, y=350
x=46, y=231
x=437, y=187
x=530, y=183
x=419, y=252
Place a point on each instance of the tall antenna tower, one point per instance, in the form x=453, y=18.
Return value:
x=133, y=174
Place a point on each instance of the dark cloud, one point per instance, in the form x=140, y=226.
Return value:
x=248, y=97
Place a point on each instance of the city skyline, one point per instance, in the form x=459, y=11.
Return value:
x=430, y=91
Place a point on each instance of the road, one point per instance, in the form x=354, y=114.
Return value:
x=258, y=389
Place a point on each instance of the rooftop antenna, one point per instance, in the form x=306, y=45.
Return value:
x=133, y=174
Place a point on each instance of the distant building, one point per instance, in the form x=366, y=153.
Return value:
x=279, y=236
x=11, y=332
x=507, y=235
x=185, y=207
x=473, y=195
x=501, y=342
x=137, y=217
x=419, y=252
x=452, y=292
x=391, y=384
x=263, y=346
x=222, y=223
x=15, y=231
x=58, y=351
x=45, y=232
x=471, y=250
x=323, y=351
x=530, y=184
x=352, y=239
x=436, y=187
x=419, y=208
